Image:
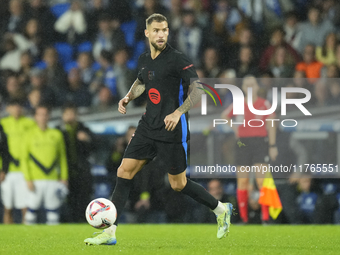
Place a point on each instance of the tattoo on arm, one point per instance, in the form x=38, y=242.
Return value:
x=136, y=90
x=193, y=98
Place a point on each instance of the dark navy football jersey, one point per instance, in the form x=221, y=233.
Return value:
x=167, y=80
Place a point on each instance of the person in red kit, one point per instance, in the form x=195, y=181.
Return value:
x=256, y=144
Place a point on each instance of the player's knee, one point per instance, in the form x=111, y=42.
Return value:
x=125, y=173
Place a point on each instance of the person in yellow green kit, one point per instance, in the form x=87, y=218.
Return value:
x=13, y=188
x=45, y=168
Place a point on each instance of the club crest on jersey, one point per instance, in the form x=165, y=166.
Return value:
x=154, y=95
x=151, y=74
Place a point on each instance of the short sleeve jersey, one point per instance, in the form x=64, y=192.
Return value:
x=167, y=80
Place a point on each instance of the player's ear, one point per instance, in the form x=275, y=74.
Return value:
x=146, y=32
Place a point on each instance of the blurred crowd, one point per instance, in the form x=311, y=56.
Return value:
x=87, y=51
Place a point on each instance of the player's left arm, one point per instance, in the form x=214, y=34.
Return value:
x=193, y=98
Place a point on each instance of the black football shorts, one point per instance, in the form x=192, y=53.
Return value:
x=171, y=156
x=255, y=150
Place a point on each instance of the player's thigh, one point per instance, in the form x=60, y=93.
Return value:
x=51, y=198
x=35, y=198
x=20, y=192
x=172, y=156
x=129, y=167
x=7, y=191
x=138, y=152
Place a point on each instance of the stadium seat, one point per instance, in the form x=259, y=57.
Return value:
x=65, y=52
x=129, y=29
x=139, y=48
x=60, y=9
x=40, y=65
x=84, y=47
x=96, y=66
x=70, y=65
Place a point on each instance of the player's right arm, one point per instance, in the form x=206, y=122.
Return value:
x=135, y=91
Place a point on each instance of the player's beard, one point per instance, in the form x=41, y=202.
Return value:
x=158, y=48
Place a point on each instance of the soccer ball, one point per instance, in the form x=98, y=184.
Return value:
x=101, y=213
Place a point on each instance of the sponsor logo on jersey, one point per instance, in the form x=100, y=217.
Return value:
x=154, y=95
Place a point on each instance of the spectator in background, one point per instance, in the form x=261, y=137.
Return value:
x=331, y=71
x=44, y=164
x=84, y=63
x=292, y=30
x=31, y=39
x=38, y=81
x=123, y=74
x=109, y=38
x=26, y=62
x=337, y=55
x=215, y=188
x=326, y=53
x=334, y=89
x=34, y=98
x=245, y=38
x=189, y=37
x=198, y=7
x=79, y=142
x=14, y=90
x=149, y=7
x=315, y=29
x=39, y=10
x=245, y=64
x=11, y=57
x=211, y=65
x=265, y=15
x=175, y=16
x=72, y=24
x=320, y=93
x=105, y=76
x=309, y=65
x=103, y=99
x=282, y=65
x=77, y=91
x=16, y=20
x=227, y=21
x=14, y=189
x=55, y=74
x=276, y=40
x=92, y=17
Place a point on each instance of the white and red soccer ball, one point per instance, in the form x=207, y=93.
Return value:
x=101, y=213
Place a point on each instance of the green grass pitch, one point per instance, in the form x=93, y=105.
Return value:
x=68, y=239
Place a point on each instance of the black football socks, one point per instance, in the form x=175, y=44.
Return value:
x=198, y=193
x=120, y=195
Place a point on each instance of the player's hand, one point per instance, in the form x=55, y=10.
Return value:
x=30, y=186
x=273, y=152
x=2, y=176
x=171, y=120
x=83, y=136
x=122, y=104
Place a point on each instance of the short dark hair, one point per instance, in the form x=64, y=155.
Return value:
x=42, y=105
x=155, y=17
x=15, y=101
x=107, y=55
x=69, y=106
